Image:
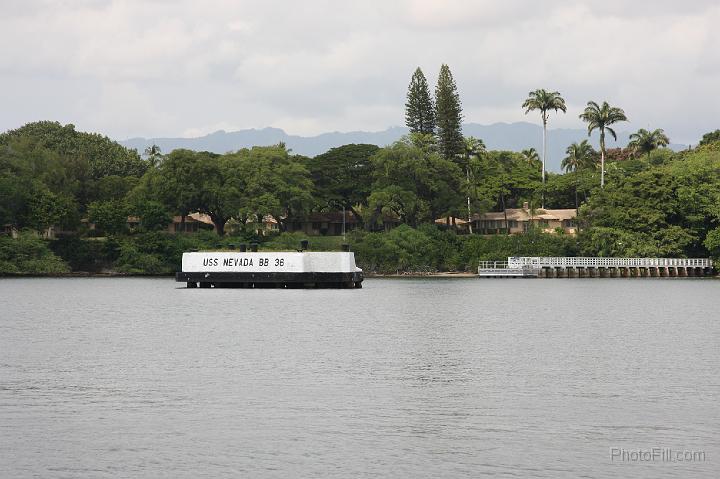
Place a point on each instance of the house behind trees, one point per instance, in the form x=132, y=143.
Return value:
x=520, y=220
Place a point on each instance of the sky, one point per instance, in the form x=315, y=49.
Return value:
x=187, y=68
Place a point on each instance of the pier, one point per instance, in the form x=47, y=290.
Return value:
x=589, y=267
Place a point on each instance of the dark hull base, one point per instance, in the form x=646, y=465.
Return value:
x=272, y=280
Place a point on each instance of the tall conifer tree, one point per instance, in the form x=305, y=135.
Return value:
x=419, y=109
x=448, y=115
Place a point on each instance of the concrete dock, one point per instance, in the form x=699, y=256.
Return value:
x=594, y=267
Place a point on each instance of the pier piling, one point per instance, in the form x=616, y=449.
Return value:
x=589, y=267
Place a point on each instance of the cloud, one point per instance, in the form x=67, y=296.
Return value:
x=150, y=68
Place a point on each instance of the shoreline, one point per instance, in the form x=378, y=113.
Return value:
x=444, y=274
x=116, y=274
x=87, y=274
x=400, y=275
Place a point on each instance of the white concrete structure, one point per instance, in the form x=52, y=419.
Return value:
x=568, y=267
x=270, y=269
x=284, y=262
x=596, y=262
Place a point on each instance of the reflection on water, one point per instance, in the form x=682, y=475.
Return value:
x=420, y=378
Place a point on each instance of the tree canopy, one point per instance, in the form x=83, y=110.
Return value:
x=419, y=108
x=414, y=182
x=343, y=176
x=644, y=142
x=600, y=117
x=246, y=184
x=448, y=115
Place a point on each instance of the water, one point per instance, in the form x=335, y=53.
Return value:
x=404, y=378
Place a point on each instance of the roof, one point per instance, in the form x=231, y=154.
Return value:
x=562, y=214
x=517, y=214
x=332, y=217
x=267, y=219
x=201, y=217
x=453, y=220
x=522, y=214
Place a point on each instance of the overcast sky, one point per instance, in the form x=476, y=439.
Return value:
x=186, y=67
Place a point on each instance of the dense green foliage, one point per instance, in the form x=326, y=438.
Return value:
x=413, y=181
x=710, y=137
x=97, y=154
x=667, y=209
x=428, y=249
x=343, y=177
x=600, y=117
x=543, y=101
x=419, y=108
x=29, y=255
x=249, y=183
x=448, y=115
x=644, y=142
x=109, y=209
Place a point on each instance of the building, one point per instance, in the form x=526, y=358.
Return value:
x=453, y=223
x=190, y=224
x=9, y=230
x=266, y=227
x=519, y=220
x=324, y=224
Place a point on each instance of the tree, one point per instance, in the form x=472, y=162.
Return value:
x=248, y=183
x=180, y=182
x=710, y=137
x=419, y=108
x=448, y=114
x=28, y=254
x=544, y=101
x=579, y=155
x=664, y=210
x=712, y=243
x=271, y=182
x=474, y=147
x=154, y=216
x=154, y=155
x=415, y=183
x=531, y=155
x=110, y=217
x=111, y=187
x=104, y=156
x=600, y=118
x=343, y=176
x=644, y=141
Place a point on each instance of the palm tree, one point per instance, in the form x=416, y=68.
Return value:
x=600, y=118
x=474, y=147
x=531, y=156
x=153, y=154
x=544, y=101
x=579, y=156
x=644, y=142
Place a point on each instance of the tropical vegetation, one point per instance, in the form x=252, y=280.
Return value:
x=600, y=117
x=544, y=101
x=642, y=200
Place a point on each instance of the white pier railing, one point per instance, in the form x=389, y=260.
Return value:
x=590, y=262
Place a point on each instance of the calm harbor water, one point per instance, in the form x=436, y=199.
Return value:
x=127, y=377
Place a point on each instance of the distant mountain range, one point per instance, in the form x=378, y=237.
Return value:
x=498, y=136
